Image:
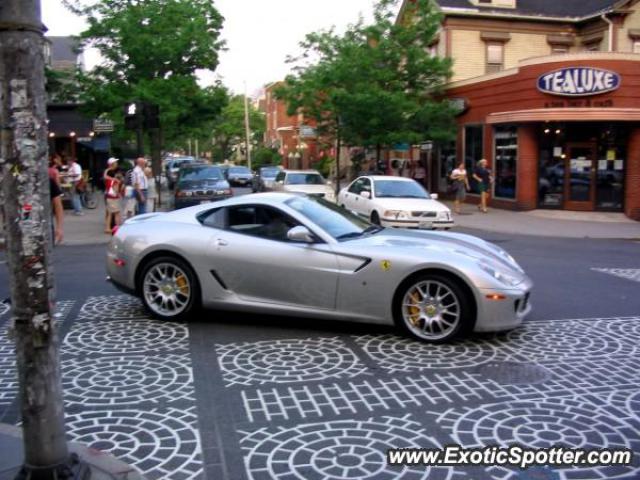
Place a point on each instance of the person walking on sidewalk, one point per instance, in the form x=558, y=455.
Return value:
x=112, y=194
x=460, y=180
x=57, y=211
x=152, y=193
x=75, y=178
x=482, y=175
x=140, y=185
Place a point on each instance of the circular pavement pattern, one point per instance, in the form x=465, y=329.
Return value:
x=114, y=306
x=125, y=337
x=127, y=380
x=544, y=424
x=547, y=341
x=399, y=354
x=287, y=361
x=157, y=444
x=339, y=450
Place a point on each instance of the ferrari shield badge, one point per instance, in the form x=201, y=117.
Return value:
x=385, y=265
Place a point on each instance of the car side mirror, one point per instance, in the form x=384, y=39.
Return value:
x=300, y=234
x=365, y=194
x=434, y=196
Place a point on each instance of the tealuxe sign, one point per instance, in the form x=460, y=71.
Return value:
x=579, y=81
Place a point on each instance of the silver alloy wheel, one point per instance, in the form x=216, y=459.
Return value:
x=431, y=310
x=167, y=289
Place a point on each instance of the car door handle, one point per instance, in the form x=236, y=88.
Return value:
x=221, y=243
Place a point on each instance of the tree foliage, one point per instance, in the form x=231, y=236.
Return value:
x=151, y=51
x=378, y=82
x=229, y=127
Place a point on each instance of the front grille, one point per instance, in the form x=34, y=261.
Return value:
x=424, y=214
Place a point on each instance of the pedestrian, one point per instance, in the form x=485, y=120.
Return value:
x=460, y=180
x=483, y=176
x=152, y=193
x=54, y=173
x=112, y=194
x=419, y=173
x=77, y=182
x=140, y=185
x=57, y=211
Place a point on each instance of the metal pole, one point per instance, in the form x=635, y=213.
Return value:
x=24, y=188
x=247, y=128
x=338, y=146
x=196, y=142
x=140, y=139
x=189, y=143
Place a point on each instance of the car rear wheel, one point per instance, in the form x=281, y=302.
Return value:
x=375, y=218
x=169, y=289
x=432, y=308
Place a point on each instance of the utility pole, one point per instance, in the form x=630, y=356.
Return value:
x=247, y=128
x=24, y=188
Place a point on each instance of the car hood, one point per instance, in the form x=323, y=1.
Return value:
x=203, y=185
x=310, y=189
x=411, y=204
x=438, y=244
x=240, y=175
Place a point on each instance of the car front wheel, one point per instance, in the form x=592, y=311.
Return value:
x=169, y=289
x=432, y=308
x=375, y=218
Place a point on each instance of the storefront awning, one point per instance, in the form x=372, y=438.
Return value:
x=566, y=115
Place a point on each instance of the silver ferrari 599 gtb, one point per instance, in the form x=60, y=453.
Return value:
x=302, y=256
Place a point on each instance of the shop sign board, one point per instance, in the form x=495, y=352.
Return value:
x=579, y=81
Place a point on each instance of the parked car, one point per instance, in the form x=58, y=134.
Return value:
x=240, y=176
x=310, y=182
x=322, y=262
x=172, y=169
x=200, y=184
x=264, y=179
x=395, y=202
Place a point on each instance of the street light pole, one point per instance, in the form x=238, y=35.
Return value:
x=247, y=127
x=24, y=188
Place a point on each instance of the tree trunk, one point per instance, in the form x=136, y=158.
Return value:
x=24, y=186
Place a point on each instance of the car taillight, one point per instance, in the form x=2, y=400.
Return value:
x=115, y=229
x=119, y=262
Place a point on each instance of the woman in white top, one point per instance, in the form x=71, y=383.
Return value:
x=460, y=180
x=152, y=192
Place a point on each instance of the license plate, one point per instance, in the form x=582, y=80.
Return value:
x=425, y=225
x=205, y=201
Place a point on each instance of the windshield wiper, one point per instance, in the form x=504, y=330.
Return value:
x=367, y=231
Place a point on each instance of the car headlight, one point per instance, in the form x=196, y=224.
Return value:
x=223, y=192
x=504, y=254
x=396, y=215
x=503, y=277
x=444, y=216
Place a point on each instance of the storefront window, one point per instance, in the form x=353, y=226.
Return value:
x=447, y=156
x=582, y=166
x=473, y=151
x=505, y=162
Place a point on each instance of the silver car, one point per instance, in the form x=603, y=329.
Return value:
x=291, y=254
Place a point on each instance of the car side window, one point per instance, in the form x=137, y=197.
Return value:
x=213, y=218
x=356, y=187
x=260, y=221
x=366, y=185
x=280, y=177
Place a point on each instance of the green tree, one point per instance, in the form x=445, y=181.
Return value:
x=152, y=51
x=229, y=128
x=377, y=83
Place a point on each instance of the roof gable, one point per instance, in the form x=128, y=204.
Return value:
x=569, y=9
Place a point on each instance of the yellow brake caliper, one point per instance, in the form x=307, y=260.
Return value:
x=183, y=285
x=414, y=310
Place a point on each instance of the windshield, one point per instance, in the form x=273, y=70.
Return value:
x=200, y=174
x=399, y=189
x=269, y=172
x=242, y=170
x=336, y=221
x=304, y=179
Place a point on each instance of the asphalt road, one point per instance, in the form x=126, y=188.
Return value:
x=269, y=398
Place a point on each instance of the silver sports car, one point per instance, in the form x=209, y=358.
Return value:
x=289, y=254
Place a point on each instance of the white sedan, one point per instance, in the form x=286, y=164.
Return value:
x=395, y=202
x=309, y=182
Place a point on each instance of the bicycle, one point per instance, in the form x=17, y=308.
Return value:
x=89, y=197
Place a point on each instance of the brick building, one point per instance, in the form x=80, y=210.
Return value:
x=549, y=93
x=293, y=135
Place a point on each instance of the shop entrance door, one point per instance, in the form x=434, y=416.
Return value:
x=580, y=176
